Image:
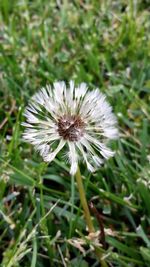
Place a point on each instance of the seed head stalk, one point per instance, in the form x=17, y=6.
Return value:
x=87, y=213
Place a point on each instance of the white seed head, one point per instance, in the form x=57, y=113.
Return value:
x=73, y=116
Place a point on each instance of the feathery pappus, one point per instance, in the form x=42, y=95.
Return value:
x=76, y=118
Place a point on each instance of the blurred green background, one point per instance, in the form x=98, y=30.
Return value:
x=106, y=44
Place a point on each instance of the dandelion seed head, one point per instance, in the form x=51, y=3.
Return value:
x=71, y=117
x=70, y=127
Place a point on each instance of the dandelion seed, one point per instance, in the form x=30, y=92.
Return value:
x=71, y=117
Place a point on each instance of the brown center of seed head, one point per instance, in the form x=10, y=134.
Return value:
x=71, y=127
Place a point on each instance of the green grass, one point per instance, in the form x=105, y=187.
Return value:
x=106, y=44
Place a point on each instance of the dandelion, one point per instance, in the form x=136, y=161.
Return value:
x=78, y=119
x=71, y=117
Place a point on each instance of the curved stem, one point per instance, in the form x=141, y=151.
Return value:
x=87, y=213
x=84, y=202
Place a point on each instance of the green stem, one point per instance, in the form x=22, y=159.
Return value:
x=84, y=202
x=87, y=213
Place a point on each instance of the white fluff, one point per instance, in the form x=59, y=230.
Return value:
x=49, y=104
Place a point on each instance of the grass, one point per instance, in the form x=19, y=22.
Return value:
x=105, y=44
